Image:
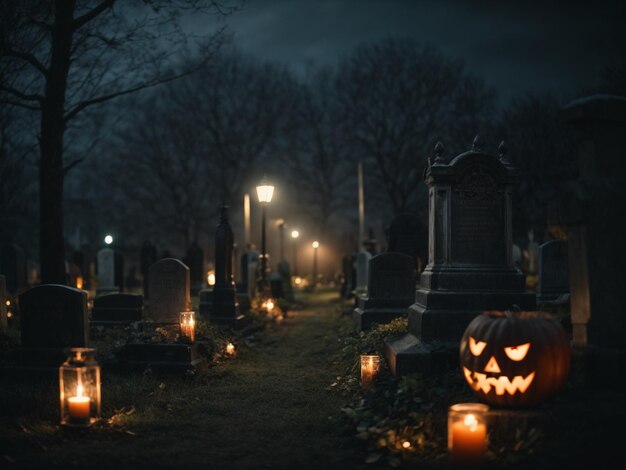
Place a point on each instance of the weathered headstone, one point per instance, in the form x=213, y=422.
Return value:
x=362, y=266
x=117, y=309
x=169, y=290
x=13, y=266
x=197, y=273
x=592, y=209
x=470, y=266
x=390, y=290
x=106, y=271
x=52, y=317
x=3, y=305
x=225, y=309
x=553, y=271
x=148, y=257
x=407, y=235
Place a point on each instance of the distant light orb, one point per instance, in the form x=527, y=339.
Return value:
x=211, y=278
x=108, y=239
x=295, y=234
x=406, y=444
x=316, y=244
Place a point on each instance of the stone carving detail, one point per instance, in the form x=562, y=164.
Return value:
x=478, y=184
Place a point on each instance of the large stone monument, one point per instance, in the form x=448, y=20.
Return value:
x=592, y=210
x=470, y=267
x=390, y=290
x=225, y=309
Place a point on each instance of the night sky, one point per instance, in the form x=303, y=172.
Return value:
x=517, y=47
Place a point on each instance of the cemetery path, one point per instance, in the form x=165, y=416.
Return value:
x=269, y=407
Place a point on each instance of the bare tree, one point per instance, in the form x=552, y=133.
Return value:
x=316, y=157
x=398, y=100
x=60, y=57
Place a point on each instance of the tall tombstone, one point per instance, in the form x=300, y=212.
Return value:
x=390, y=290
x=169, y=290
x=52, y=317
x=148, y=257
x=362, y=266
x=13, y=266
x=407, y=235
x=470, y=267
x=106, y=271
x=197, y=273
x=225, y=305
x=553, y=271
x=592, y=209
x=3, y=305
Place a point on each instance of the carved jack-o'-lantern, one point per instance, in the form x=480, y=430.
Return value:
x=514, y=358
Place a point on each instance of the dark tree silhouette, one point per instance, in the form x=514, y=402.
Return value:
x=61, y=57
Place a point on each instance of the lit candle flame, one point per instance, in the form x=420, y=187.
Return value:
x=79, y=390
x=270, y=305
x=230, y=349
x=471, y=422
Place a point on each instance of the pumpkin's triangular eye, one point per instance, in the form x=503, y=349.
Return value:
x=517, y=353
x=476, y=347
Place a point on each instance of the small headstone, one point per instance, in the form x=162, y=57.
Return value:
x=406, y=235
x=106, y=270
x=117, y=308
x=169, y=290
x=54, y=316
x=362, y=264
x=3, y=305
x=197, y=273
x=13, y=266
x=390, y=290
x=553, y=271
x=148, y=257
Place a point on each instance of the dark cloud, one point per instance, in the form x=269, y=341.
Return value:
x=516, y=46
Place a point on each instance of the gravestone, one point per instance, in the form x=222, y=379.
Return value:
x=225, y=308
x=470, y=267
x=3, y=305
x=553, y=271
x=106, y=271
x=169, y=290
x=13, y=267
x=52, y=317
x=285, y=273
x=593, y=208
x=148, y=257
x=407, y=235
x=362, y=266
x=116, y=309
x=197, y=273
x=390, y=290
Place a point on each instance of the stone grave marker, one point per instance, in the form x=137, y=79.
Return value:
x=553, y=272
x=114, y=309
x=517, y=256
x=470, y=267
x=3, y=305
x=13, y=266
x=106, y=271
x=390, y=290
x=362, y=266
x=169, y=290
x=52, y=317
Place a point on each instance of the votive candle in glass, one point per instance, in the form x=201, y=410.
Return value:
x=370, y=365
x=467, y=432
x=187, y=327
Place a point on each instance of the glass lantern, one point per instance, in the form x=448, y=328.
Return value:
x=187, y=327
x=467, y=432
x=370, y=365
x=79, y=386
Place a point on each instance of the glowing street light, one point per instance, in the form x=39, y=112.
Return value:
x=108, y=239
x=294, y=241
x=315, y=246
x=264, y=192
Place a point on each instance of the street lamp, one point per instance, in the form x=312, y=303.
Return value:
x=264, y=191
x=315, y=245
x=294, y=238
x=108, y=239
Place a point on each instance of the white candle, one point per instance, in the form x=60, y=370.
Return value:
x=79, y=406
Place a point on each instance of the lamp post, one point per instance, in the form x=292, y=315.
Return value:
x=264, y=192
x=315, y=245
x=294, y=239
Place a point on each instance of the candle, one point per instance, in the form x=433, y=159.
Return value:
x=79, y=407
x=467, y=432
x=230, y=349
x=187, y=327
x=369, y=369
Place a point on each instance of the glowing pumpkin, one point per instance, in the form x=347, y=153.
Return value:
x=515, y=358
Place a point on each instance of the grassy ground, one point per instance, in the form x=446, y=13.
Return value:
x=269, y=407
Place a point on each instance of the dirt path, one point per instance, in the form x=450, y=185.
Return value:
x=267, y=408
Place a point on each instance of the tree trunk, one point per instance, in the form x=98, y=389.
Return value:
x=51, y=243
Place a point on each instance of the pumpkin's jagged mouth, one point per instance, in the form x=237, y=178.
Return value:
x=502, y=384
